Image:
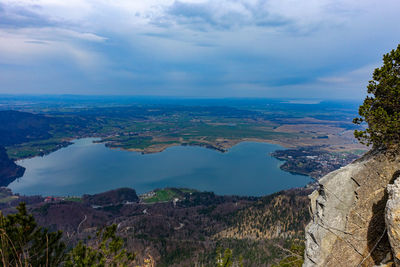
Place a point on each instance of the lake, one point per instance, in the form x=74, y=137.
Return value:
x=87, y=168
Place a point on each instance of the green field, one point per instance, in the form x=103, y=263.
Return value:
x=150, y=128
x=73, y=199
x=167, y=194
x=35, y=148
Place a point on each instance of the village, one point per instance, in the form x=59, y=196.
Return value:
x=314, y=161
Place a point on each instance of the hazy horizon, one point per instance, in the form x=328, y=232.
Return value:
x=286, y=100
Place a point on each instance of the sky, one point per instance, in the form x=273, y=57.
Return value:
x=323, y=49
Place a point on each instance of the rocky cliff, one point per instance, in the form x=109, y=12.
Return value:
x=392, y=219
x=348, y=226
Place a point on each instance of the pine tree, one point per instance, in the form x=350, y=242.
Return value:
x=106, y=250
x=381, y=108
x=24, y=243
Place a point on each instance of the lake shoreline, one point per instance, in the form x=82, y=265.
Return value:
x=221, y=147
x=88, y=166
x=66, y=142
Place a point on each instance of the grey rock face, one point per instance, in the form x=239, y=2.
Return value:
x=348, y=220
x=392, y=219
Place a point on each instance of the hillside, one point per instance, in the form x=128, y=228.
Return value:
x=9, y=171
x=185, y=231
x=112, y=197
x=18, y=127
x=274, y=216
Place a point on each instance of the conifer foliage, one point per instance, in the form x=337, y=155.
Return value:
x=106, y=250
x=24, y=243
x=381, y=107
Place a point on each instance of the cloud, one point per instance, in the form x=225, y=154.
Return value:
x=196, y=47
x=29, y=36
x=16, y=16
x=353, y=77
x=300, y=17
x=35, y=46
x=223, y=15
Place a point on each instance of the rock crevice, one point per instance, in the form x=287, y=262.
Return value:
x=392, y=219
x=348, y=214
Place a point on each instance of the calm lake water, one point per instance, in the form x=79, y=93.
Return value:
x=86, y=168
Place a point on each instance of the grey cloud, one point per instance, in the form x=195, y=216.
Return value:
x=196, y=11
x=158, y=35
x=14, y=16
x=222, y=16
x=36, y=42
x=203, y=44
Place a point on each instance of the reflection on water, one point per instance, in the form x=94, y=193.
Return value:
x=86, y=168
